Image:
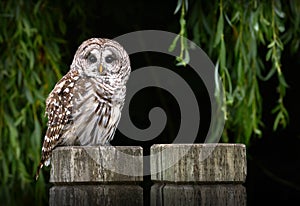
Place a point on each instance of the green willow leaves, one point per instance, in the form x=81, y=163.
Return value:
x=246, y=40
x=183, y=58
x=29, y=67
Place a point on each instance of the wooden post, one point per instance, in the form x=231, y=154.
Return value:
x=199, y=163
x=198, y=174
x=96, y=175
x=184, y=174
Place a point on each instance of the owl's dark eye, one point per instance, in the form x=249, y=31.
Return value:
x=109, y=59
x=92, y=58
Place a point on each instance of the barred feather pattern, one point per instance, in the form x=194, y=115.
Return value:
x=84, y=108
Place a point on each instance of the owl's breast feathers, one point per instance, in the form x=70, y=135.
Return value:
x=95, y=115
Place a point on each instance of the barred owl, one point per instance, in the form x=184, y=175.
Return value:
x=84, y=108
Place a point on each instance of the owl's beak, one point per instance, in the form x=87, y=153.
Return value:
x=100, y=68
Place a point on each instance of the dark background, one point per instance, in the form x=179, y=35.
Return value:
x=273, y=160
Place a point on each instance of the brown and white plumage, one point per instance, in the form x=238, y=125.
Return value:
x=84, y=108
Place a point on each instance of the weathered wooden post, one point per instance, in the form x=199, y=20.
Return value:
x=183, y=174
x=102, y=175
x=198, y=174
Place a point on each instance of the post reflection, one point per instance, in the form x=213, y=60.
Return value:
x=214, y=194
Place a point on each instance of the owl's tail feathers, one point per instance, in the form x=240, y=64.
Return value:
x=44, y=161
x=38, y=171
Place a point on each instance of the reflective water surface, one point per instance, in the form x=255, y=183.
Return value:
x=160, y=194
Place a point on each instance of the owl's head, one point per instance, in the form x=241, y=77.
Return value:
x=102, y=58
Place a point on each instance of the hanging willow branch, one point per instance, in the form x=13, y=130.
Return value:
x=30, y=52
x=243, y=38
x=183, y=58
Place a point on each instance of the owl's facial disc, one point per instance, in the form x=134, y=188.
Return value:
x=102, y=61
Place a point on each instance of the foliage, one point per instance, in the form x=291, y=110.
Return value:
x=246, y=40
x=29, y=42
